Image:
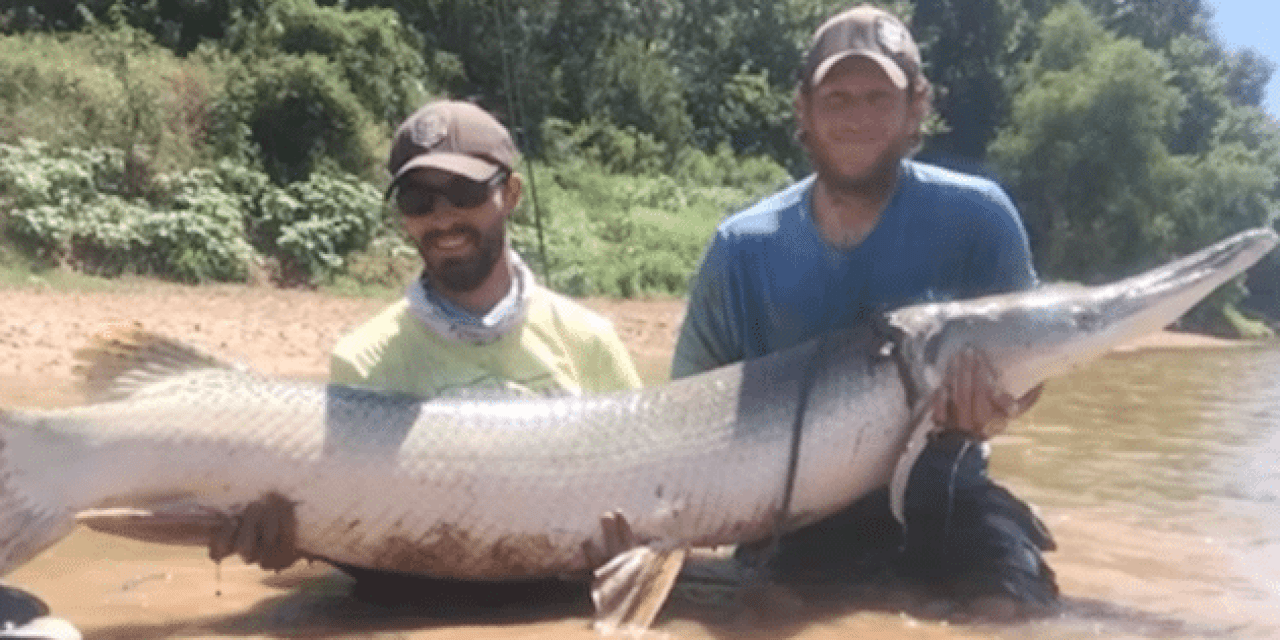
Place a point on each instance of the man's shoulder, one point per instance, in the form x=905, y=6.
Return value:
x=949, y=197
x=593, y=353
x=930, y=178
x=767, y=216
x=373, y=334
x=569, y=316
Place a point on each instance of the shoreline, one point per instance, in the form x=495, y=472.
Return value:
x=290, y=332
x=1170, y=339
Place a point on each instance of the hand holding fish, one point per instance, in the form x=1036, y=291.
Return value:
x=265, y=533
x=971, y=400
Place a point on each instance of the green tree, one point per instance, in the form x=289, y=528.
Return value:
x=967, y=46
x=1084, y=151
x=1197, y=72
x=738, y=59
x=1120, y=156
x=639, y=87
x=1155, y=22
x=1247, y=75
x=1218, y=193
x=380, y=60
x=180, y=25
x=295, y=114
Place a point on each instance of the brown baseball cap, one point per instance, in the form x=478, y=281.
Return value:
x=452, y=136
x=865, y=31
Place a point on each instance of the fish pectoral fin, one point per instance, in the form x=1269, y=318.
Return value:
x=177, y=525
x=922, y=425
x=616, y=538
x=630, y=589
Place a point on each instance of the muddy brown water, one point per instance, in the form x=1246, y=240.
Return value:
x=1156, y=471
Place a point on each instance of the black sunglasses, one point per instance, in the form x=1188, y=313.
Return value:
x=463, y=193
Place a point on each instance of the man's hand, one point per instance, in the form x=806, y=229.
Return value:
x=265, y=533
x=970, y=400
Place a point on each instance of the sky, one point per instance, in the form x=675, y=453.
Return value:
x=1255, y=24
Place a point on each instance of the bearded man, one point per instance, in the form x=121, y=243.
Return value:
x=869, y=231
x=475, y=318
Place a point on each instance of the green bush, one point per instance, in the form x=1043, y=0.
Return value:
x=66, y=207
x=294, y=113
x=604, y=233
x=42, y=189
x=312, y=225
x=106, y=89
x=601, y=143
x=202, y=243
x=604, y=146
x=621, y=235
x=620, y=219
x=636, y=84
x=382, y=268
x=380, y=60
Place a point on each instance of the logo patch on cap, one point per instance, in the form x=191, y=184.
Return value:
x=892, y=35
x=430, y=131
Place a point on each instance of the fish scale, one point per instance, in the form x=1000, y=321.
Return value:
x=479, y=476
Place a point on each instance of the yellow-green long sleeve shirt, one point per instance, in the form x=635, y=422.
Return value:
x=560, y=347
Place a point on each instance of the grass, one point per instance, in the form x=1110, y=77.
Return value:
x=89, y=90
x=607, y=234
x=59, y=279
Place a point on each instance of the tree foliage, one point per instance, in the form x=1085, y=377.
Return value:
x=178, y=24
x=1091, y=152
x=1125, y=129
x=381, y=62
x=967, y=46
x=71, y=207
x=294, y=114
x=1084, y=150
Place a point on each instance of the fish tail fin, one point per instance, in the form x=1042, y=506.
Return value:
x=30, y=520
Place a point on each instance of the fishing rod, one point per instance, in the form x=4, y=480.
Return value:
x=515, y=105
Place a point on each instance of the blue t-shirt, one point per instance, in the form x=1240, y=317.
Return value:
x=769, y=281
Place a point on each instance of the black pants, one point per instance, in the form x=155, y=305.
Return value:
x=964, y=534
x=389, y=588
x=19, y=606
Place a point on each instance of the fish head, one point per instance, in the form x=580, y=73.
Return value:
x=1031, y=336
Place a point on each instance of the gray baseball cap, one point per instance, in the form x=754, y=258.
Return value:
x=865, y=31
x=452, y=136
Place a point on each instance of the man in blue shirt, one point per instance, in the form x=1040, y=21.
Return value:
x=872, y=230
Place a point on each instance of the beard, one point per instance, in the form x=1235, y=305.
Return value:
x=463, y=274
x=875, y=182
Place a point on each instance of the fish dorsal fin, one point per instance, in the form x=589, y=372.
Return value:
x=125, y=358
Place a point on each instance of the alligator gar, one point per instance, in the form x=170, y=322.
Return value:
x=490, y=487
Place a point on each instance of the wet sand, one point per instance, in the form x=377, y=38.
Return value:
x=121, y=589
x=115, y=588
